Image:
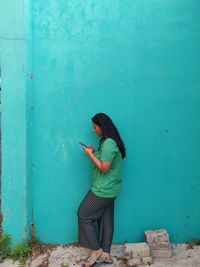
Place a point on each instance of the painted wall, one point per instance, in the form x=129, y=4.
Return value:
x=14, y=57
x=139, y=62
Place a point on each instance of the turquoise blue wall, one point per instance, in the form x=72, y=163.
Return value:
x=139, y=62
x=14, y=64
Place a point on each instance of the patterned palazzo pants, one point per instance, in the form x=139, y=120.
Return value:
x=96, y=222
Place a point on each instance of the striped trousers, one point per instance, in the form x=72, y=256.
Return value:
x=96, y=222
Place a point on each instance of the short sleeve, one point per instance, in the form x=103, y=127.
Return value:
x=108, y=150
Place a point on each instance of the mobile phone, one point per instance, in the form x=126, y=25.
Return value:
x=82, y=144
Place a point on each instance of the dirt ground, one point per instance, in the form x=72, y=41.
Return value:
x=73, y=255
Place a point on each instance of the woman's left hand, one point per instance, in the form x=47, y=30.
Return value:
x=88, y=150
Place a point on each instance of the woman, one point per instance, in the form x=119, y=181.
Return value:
x=96, y=212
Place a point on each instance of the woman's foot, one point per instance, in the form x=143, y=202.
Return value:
x=105, y=257
x=94, y=258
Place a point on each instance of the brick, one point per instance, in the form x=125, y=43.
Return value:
x=161, y=253
x=162, y=238
x=136, y=250
x=162, y=231
x=160, y=235
x=134, y=262
x=147, y=232
x=147, y=260
x=159, y=245
x=145, y=250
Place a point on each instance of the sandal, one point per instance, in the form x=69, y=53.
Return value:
x=107, y=260
x=94, y=260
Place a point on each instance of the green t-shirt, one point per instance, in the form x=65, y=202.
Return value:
x=107, y=184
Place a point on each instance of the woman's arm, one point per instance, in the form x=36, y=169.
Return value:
x=101, y=165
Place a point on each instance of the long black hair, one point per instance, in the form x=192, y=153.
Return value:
x=109, y=130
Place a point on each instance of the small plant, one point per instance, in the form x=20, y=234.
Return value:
x=5, y=245
x=193, y=242
x=20, y=252
x=64, y=264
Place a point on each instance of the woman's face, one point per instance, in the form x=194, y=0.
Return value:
x=97, y=129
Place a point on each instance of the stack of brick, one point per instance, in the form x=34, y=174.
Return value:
x=159, y=244
x=137, y=254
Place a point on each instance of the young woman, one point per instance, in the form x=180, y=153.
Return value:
x=96, y=212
